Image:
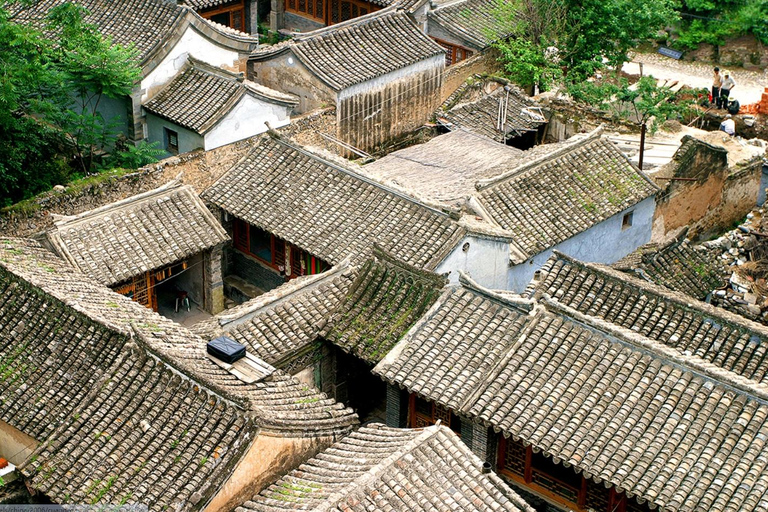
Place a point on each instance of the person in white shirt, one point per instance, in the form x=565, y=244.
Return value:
x=726, y=87
x=728, y=126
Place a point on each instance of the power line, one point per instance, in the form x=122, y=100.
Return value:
x=705, y=18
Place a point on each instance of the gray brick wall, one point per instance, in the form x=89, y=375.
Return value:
x=397, y=407
x=253, y=272
x=467, y=431
x=214, y=282
x=483, y=442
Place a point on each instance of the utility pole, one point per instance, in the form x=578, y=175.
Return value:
x=642, y=145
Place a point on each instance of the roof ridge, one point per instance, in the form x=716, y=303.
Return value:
x=693, y=364
x=270, y=300
x=205, y=67
x=523, y=304
x=354, y=174
x=381, y=254
x=494, y=371
x=582, y=141
x=450, y=3
x=421, y=322
x=301, y=37
x=70, y=220
x=681, y=299
x=365, y=480
x=132, y=332
x=175, y=366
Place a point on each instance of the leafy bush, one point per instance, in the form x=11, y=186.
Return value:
x=705, y=21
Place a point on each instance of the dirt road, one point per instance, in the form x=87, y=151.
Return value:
x=749, y=84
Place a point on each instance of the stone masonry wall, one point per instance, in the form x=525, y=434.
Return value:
x=200, y=169
x=744, y=51
x=481, y=64
x=707, y=194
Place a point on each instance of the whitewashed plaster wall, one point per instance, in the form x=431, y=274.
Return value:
x=386, y=80
x=246, y=119
x=486, y=260
x=191, y=43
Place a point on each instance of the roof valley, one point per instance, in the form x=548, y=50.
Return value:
x=364, y=481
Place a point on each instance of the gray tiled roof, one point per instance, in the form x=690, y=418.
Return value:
x=138, y=234
x=677, y=265
x=385, y=300
x=679, y=321
x=281, y=404
x=444, y=169
x=397, y=470
x=620, y=408
x=279, y=325
x=205, y=4
x=200, y=96
x=549, y=200
x=329, y=210
x=144, y=23
x=482, y=116
x=478, y=22
x=445, y=360
x=114, y=421
x=359, y=49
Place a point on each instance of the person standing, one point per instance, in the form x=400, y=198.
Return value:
x=725, y=88
x=717, y=81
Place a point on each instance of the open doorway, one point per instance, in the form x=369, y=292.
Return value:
x=360, y=389
x=180, y=291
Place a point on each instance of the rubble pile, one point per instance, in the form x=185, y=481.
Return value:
x=743, y=253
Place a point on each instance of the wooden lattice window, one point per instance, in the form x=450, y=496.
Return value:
x=453, y=53
x=560, y=484
x=231, y=14
x=140, y=288
x=513, y=457
x=275, y=252
x=598, y=497
x=335, y=12
x=425, y=413
x=172, y=141
x=343, y=10
x=314, y=9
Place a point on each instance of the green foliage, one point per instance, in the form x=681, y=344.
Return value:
x=128, y=156
x=707, y=21
x=527, y=64
x=53, y=85
x=638, y=103
x=578, y=37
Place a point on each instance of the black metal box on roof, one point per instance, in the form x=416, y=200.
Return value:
x=226, y=349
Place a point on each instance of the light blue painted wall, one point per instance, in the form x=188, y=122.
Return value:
x=485, y=260
x=118, y=112
x=604, y=243
x=188, y=140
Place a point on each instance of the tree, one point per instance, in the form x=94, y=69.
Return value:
x=53, y=82
x=89, y=68
x=640, y=103
x=578, y=36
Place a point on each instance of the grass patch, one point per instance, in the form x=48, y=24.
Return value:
x=74, y=188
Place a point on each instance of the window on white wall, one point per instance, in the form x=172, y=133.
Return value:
x=172, y=141
x=626, y=222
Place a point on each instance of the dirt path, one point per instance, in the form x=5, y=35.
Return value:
x=749, y=84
